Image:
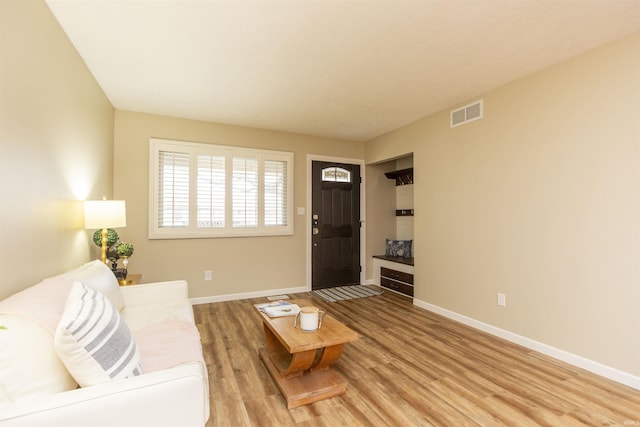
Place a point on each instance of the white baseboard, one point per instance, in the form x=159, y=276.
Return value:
x=246, y=295
x=570, y=358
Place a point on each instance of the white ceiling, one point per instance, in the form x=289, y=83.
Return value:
x=343, y=69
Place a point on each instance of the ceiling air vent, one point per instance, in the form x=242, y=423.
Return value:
x=466, y=114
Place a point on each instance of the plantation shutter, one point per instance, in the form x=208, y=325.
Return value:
x=275, y=193
x=211, y=191
x=173, y=185
x=245, y=192
x=199, y=190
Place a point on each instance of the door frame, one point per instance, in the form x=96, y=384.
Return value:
x=363, y=247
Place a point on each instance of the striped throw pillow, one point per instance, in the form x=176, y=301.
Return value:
x=93, y=341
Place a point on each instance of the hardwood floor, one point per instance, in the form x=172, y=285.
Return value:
x=410, y=367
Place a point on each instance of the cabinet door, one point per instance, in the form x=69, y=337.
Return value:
x=396, y=275
x=403, y=288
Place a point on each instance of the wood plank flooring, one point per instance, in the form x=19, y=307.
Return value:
x=410, y=367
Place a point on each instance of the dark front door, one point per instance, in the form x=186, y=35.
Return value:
x=335, y=216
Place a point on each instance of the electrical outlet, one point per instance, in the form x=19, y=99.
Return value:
x=207, y=275
x=502, y=300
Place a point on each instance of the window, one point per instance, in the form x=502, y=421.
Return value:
x=335, y=174
x=204, y=190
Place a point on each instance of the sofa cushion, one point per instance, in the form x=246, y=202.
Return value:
x=100, y=277
x=168, y=343
x=29, y=365
x=43, y=303
x=93, y=341
x=140, y=316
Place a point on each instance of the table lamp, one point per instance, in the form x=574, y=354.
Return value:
x=104, y=214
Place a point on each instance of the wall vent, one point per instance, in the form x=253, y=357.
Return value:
x=466, y=114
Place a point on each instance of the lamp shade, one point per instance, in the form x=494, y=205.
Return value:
x=105, y=214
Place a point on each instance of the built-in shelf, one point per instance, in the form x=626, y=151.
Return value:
x=398, y=259
x=402, y=177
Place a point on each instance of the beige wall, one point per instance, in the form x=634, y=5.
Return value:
x=539, y=200
x=56, y=136
x=380, y=211
x=239, y=265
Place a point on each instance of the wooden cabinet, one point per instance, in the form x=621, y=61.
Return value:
x=397, y=281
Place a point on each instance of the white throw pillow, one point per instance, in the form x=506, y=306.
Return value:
x=100, y=277
x=93, y=341
x=29, y=365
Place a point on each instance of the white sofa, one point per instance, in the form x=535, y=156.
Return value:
x=37, y=382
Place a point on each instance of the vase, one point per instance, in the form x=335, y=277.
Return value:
x=125, y=262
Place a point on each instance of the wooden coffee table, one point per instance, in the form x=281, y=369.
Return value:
x=300, y=362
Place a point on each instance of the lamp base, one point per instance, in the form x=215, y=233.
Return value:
x=103, y=248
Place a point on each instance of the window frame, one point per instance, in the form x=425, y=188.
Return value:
x=192, y=230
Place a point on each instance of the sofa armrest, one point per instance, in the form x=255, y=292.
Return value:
x=155, y=293
x=170, y=397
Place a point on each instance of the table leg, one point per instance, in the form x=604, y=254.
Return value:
x=288, y=365
x=308, y=388
x=328, y=356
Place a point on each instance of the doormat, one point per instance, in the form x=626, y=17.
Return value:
x=342, y=293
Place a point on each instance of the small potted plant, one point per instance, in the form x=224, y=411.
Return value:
x=124, y=251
